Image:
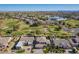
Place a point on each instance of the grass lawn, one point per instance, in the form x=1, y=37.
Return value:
x=71, y=23
x=17, y=27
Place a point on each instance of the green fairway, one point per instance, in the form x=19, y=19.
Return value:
x=16, y=27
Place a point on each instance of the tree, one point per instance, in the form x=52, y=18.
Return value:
x=74, y=50
x=57, y=28
x=34, y=25
x=77, y=34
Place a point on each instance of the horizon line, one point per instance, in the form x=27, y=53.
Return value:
x=44, y=11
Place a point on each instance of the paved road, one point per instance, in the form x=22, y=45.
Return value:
x=38, y=51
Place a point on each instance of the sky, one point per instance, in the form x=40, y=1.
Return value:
x=39, y=7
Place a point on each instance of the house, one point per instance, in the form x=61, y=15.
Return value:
x=30, y=21
x=25, y=41
x=41, y=42
x=19, y=44
x=62, y=43
x=76, y=17
x=49, y=22
x=66, y=29
x=75, y=30
x=4, y=41
x=74, y=41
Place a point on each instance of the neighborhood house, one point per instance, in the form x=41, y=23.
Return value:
x=41, y=42
x=4, y=41
x=62, y=43
x=25, y=41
